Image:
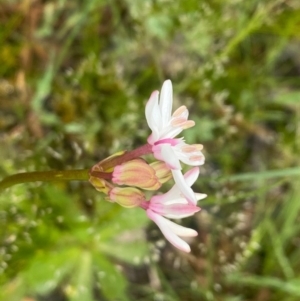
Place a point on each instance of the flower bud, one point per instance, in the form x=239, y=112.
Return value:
x=104, y=165
x=100, y=184
x=137, y=173
x=127, y=197
x=162, y=171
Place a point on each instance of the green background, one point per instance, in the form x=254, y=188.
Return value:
x=74, y=80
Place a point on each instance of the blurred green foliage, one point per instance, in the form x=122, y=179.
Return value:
x=74, y=80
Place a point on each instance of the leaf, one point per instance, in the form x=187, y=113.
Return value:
x=81, y=288
x=290, y=97
x=47, y=269
x=292, y=287
x=132, y=252
x=110, y=280
x=159, y=25
x=125, y=219
x=13, y=290
x=263, y=175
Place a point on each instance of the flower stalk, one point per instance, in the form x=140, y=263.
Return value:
x=45, y=176
x=127, y=156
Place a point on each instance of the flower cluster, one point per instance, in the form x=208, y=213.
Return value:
x=122, y=176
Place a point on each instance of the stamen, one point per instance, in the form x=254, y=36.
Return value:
x=178, y=122
x=189, y=148
x=179, y=111
x=188, y=124
x=196, y=158
x=198, y=146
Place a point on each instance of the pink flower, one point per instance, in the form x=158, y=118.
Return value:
x=173, y=205
x=164, y=128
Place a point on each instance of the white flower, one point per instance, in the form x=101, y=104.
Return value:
x=164, y=128
x=159, y=118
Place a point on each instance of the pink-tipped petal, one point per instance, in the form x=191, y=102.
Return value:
x=164, y=226
x=175, y=210
x=192, y=175
x=167, y=200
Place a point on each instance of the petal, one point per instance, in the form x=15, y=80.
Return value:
x=164, y=226
x=169, y=198
x=175, y=210
x=185, y=189
x=153, y=115
x=153, y=138
x=192, y=175
x=174, y=195
x=170, y=132
x=180, y=230
x=193, y=158
x=200, y=196
x=181, y=112
x=165, y=152
x=166, y=102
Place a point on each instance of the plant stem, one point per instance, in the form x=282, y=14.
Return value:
x=127, y=156
x=45, y=176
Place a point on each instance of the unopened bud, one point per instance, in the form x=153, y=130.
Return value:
x=127, y=197
x=105, y=164
x=100, y=184
x=162, y=171
x=137, y=173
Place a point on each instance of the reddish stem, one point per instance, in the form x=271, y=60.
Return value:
x=128, y=156
x=101, y=174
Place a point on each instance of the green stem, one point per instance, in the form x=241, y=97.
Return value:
x=45, y=176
